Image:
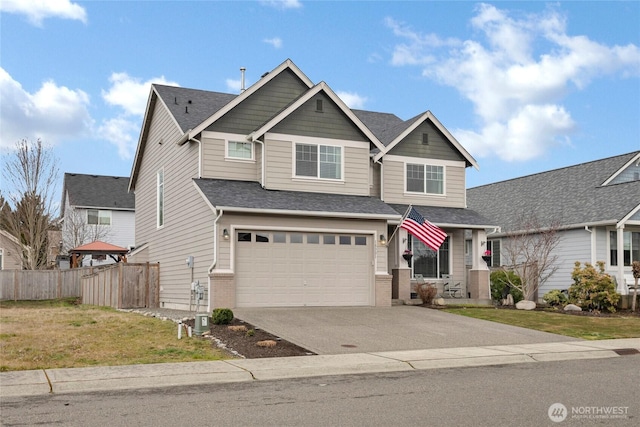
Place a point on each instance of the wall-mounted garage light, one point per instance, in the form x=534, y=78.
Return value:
x=225, y=234
x=382, y=240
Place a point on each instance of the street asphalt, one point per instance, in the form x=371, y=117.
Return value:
x=347, y=340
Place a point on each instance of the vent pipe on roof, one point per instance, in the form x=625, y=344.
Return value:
x=242, y=70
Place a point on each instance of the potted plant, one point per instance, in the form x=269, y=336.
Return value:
x=486, y=256
x=407, y=255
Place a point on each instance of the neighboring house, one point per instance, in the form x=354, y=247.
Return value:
x=596, y=206
x=283, y=196
x=94, y=208
x=9, y=252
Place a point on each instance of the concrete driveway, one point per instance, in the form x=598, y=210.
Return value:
x=337, y=330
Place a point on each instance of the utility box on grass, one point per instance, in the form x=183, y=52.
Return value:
x=202, y=324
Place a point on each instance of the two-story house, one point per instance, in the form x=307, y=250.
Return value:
x=97, y=208
x=284, y=196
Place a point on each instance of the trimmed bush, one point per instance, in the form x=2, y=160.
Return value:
x=593, y=289
x=500, y=286
x=222, y=316
x=555, y=298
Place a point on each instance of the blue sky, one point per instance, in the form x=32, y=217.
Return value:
x=524, y=86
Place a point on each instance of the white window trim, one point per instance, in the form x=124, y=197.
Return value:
x=230, y=158
x=317, y=178
x=450, y=236
x=100, y=214
x=164, y=193
x=424, y=193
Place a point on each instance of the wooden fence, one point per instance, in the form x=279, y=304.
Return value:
x=41, y=284
x=123, y=285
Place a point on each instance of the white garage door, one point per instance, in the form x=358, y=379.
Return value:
x=286, y=269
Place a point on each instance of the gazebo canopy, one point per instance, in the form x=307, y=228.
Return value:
x=98, y=248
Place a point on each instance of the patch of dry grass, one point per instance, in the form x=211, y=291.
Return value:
x=62, y=334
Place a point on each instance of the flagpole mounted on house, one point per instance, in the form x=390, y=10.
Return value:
x=398, y=226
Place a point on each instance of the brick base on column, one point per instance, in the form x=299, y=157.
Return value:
x=223, y=290
x=402, y=279
x=383, y=290
x=479, y=284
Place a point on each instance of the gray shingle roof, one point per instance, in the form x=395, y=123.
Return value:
x=383, y=125
x=190, y=107
x=251, y=195
x=569, y=196
x=97, y=191
x=448, y=216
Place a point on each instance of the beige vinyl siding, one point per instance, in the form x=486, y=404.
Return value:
x=438, y=146
x=262, y=105
x=375, y=178
x=215, y=165
x=232, y=221
x=330, y=123
x=188, y=224
x=280, y=169
x=394, y=186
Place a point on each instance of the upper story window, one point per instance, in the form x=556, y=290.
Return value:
x=240, y=150
x=160, y=198
x=428, y=179
x=318, y=161
x=98, y=217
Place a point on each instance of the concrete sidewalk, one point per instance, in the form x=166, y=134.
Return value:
x=82, y=380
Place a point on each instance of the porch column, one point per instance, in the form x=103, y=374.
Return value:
x=401, y=270
x=479, y=283
x=622, y=288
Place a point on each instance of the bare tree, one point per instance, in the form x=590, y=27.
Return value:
x=31, y=175
x=77, y=231
x=635, y=269
x=529, y=254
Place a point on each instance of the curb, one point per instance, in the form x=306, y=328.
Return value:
x=130, y=377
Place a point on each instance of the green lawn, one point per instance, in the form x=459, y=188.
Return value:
x=585, y=327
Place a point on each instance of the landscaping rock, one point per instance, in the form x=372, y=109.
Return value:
x=508, y=300
x=525, y=305
x=572, y=307
x=439, y=301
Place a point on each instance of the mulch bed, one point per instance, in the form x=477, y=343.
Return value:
x=237, y=339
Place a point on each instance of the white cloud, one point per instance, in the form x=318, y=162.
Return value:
x=282, y=4
x=51, y=113
x=131, y=95
x=353, y=100
x=516, y=76
x=275, y=42
x=234, y=85
x=38, y=10
x=121, y=132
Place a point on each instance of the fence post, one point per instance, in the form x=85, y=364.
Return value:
x=147, y=299
x=15, y=285
x=120, y=274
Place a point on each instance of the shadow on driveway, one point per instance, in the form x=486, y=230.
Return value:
x=337, y=330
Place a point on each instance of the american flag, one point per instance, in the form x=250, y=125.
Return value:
x=428, y=233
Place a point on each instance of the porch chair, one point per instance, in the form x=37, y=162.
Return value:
x=450, y=288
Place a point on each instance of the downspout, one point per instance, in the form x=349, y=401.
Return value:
x=199, y=156
x=215, y=259
x=262, y=172
x=593, y=244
